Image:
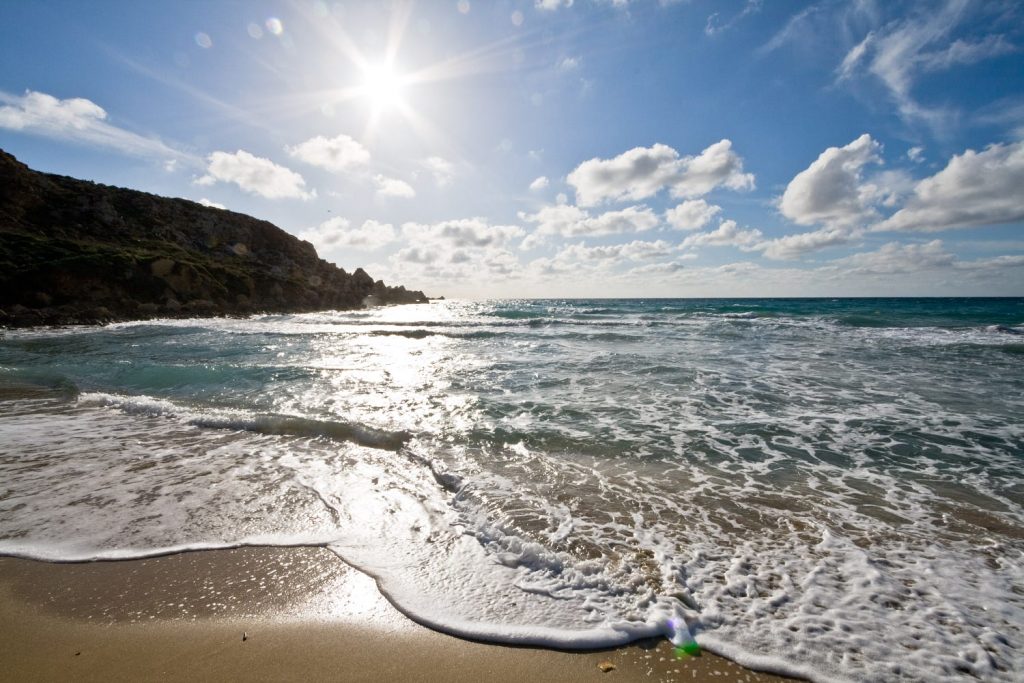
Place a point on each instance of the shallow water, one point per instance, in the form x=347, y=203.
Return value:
x=831, y=488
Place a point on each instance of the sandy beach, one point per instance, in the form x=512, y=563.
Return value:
x=269, y=614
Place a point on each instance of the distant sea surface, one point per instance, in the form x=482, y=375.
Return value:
x=825, y=487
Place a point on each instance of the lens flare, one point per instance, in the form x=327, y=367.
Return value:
x=275, y=26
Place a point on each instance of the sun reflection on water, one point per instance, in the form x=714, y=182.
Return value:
x=389, y=376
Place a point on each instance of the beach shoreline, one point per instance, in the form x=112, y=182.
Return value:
x=270, y=614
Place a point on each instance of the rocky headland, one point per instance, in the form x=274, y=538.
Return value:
x=74, y=251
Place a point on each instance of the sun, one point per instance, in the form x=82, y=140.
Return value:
x=382, y=86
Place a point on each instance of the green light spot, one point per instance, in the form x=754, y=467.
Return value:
x=690, y=649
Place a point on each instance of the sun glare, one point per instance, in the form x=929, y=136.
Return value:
x=382, y=86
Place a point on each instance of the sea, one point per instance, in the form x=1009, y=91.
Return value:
x=828, y=488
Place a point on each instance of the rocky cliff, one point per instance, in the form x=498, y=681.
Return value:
x=74, y=251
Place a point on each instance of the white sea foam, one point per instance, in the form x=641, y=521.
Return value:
x=818, y=499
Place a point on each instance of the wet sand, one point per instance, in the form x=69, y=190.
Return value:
x=269, y=614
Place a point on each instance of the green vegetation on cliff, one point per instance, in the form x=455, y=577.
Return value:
x=75, y=251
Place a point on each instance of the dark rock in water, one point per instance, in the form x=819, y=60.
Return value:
x=73, y=251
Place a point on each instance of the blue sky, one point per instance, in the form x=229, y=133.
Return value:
x=546, y=148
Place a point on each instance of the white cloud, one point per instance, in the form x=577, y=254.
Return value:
x=1007, y=113
x=77, y=119
x=974, y=189
x=419, y=255
x=831, y=190
x=797, y=26
x=693, y=214
x=601, y=263
x=213, y=205
x=966, y=52
x=571, y=221
x=569, y=63
x=714, y=26
x=667, y=268
x=897, y=258
x=795, y=246
x=339, y=153
x=539, y=184
x=442, y=170
x=887, y=189
x=255, y=175
x=920, y=269
x=898, y=52
x=464, y=233
x=916, y=154
x=993, y=263
x=851, y=62
x=728, y=234
x=637, y=250
x=643, y=171
x=338, y=232
x=456, y=268
x=393, y=187
x=551, y=5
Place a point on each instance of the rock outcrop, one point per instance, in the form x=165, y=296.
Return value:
x=73, y=251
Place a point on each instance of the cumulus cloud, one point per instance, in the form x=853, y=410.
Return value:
x=213, y=205
x=916, y=154
x=794, y=246
x=728, y=234
x=654, y=269
x=993, y=263
x=477, y=267
x=897, y=258
x=693, y=214
x=393, y=187
x=42, y=111
x=338, y=232
x=601, y=263
x=442, y=170
x=77, y=119
x=637, y=250
x=255, y=175
x=461, y=233
x=571, y=221
x=551, y=5
x=539, y=184
x=419, y=255
x=339, y=153
x=834, y=192
x=831, y=189
x=643, y=171
x=974, y=189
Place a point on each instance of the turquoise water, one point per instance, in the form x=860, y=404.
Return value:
x=825, y=487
